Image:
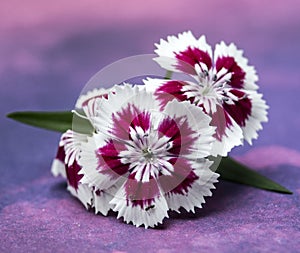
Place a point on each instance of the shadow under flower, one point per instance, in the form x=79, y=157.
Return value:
x=226, y=197
x=223, y=195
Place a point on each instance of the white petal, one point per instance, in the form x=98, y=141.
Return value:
x=90, y=95
x=84, y=193
x=103, y=197
x=58, y=168
x=72, y=141
x=167, y=49
x=258, y=115
x=233, y=137
x=251, y=77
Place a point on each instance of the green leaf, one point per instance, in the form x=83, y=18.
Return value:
x=231, y=170
x=55, y=121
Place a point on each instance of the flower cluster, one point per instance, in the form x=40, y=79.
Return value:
x=149, y=148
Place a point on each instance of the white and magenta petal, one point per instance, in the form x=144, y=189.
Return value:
x=249, y=111
x=72, y=142
x=228, y=133
x=68, y=152
x=182, y=53
x=106, y=108
x=229, y=59
x=191, y=190
x=58, y=167
x=66, y=164
x=73, y=176
x=167, y=90
x=140, y=203
x=194, y=126
x=100, y=163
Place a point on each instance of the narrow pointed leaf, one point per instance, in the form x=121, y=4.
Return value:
x=231, y=170
x=55, y=121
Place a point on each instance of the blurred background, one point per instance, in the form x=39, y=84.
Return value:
x=50, y=49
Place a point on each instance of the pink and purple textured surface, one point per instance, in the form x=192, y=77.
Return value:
x=47, y=53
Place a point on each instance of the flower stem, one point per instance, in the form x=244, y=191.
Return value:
x=168, y=74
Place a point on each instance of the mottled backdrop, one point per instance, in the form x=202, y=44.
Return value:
x=49, y=50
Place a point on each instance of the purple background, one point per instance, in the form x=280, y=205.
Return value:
x=48, y=51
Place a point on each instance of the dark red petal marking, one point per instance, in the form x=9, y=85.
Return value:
x=169, y=91
x=99, y=192
x=141, y=194
x=180, y=134
x=60, y=155
x=181, y=179
x=141, y=120
x=185, y=140
x=129, y=117
x=109, y=161
x=72, y=174
x=192, y=56
x=122, y=121
x=71, y=171
x=221, y=121
x=241, y=109
x=238, y=74
x=169, y=128
x=183, y=187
